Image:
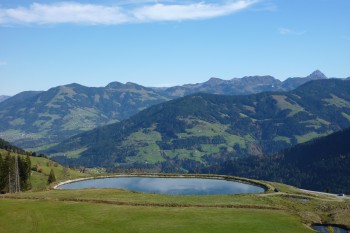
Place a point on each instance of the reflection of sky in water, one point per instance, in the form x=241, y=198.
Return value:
x=324, y=229
x=180, y=186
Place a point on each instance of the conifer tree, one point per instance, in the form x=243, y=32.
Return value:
x=28, y=172
x=2, y=174
x=8, y=170
x=17, y=183
x=25, y=173
x=52, y=177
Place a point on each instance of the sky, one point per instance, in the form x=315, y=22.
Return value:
x=46, y=43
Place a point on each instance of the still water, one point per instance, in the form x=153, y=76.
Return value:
x=173, y=186
x=329, y=229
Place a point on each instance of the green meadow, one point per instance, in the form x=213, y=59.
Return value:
x=57, y=216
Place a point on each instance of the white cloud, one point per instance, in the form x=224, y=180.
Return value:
x=65, y=12
x=162, y=12
x=140, y=11
x=288, y=31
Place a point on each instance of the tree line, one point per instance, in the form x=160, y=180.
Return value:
x=15, y=172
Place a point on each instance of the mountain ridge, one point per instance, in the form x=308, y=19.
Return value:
x=244, y=85
x=35, y=119
x=39, y=118
x=200, y=126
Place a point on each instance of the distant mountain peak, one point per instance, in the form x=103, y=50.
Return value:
x=132, y=84
x=214, y=80
x=317, y=74
x=115, y=85
x=118, y=85
x=74, y=85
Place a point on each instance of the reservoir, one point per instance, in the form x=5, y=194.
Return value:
x=172, y=186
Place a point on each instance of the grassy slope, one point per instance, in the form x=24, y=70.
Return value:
x=39, y=179
x=51, y=216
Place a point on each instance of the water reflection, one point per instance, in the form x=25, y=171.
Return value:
x=174, y=186
x=329, y=229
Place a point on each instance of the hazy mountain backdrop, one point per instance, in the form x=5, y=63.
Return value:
x=34, y=120
x=241, y=86
x=201, y=126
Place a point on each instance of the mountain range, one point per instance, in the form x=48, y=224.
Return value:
x=201, y=127
x=241, y=86
x=34, y=120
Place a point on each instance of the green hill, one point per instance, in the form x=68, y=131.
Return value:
x=196, y=129
x=35, y=119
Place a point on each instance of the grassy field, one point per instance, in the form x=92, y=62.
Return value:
x=55, y=216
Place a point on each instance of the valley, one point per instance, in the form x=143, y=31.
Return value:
x=272, y=139
x=174, y=116
x=193, y=132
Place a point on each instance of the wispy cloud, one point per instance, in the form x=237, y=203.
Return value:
x=266, y=6
x=162, y=12
x=65, y=12
x=347, y=38
x=137, y=11
x=288, y=31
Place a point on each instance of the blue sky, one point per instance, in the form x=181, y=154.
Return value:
x=46, y=43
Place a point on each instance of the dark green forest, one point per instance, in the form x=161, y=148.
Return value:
x=322, y=164
x=9, y=147
x=15, y=171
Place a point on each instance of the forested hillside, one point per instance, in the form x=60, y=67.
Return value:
x=322, y=164
x=203, y=126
